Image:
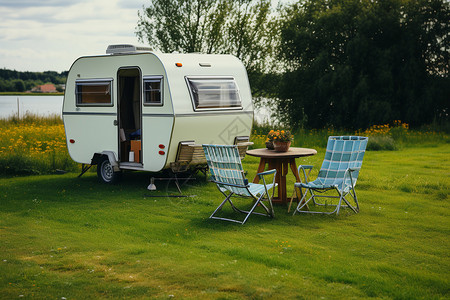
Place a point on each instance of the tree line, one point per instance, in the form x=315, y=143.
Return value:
x=16, y=81
x=342, y=63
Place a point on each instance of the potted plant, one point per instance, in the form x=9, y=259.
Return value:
x=269, y=140
x=282, y=140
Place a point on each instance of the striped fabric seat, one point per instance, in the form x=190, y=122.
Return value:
x=255, y=189
x=226, y=170
x=339, y=171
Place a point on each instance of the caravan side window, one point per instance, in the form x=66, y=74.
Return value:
x=153, y=90
x=214, y=93
x=93, y=92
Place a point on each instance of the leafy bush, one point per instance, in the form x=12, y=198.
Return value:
x=381, y=142
x=381, y=137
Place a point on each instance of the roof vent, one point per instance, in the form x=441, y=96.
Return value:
x=126, y=48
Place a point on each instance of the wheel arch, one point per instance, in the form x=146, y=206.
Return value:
x=98, y=157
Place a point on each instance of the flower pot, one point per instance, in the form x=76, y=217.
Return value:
x=281, y=146
x=269, y=145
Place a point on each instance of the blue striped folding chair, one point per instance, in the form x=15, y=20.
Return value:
x=226, y=171
x=339, y=171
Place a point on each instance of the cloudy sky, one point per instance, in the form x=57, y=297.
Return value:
x=41, y=35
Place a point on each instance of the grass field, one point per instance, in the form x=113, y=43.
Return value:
x=64, y=237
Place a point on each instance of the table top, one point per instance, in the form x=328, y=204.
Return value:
x=293, y=152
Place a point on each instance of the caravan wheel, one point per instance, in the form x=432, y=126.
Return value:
x=105, y=172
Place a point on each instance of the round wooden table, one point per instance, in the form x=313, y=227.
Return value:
x=282, y=162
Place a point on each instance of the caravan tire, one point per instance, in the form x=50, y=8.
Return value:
x=105, y=172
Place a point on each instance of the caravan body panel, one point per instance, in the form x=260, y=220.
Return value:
x=96, y=127
x=209, y=126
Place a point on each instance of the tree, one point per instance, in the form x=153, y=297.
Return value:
x=355, y=63
x=15, y=81
x=243, y=28
x=19, y=85
x=183, y=26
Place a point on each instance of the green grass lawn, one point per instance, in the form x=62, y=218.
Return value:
x=63, y=236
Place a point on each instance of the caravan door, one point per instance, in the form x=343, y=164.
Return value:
x=129, y=117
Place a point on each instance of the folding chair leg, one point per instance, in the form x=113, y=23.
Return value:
x=251, y=211
x=292, y=199
x=237, y=209
x=302, y=202
x=295, y=193
x=272, y=213
x=338, y=206
x=269, y=211
x=221, y=205
x=314, y=197
x=354, y=208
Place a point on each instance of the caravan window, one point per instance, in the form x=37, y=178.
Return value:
x=153, y=90
x=214, y=93
x=93, y=92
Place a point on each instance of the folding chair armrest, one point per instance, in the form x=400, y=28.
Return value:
x=267, y=173
x=349, y=171
x=230, y=184
x=304, y=168
x=308, y=167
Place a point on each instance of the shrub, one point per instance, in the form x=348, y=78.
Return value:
x=381, y=142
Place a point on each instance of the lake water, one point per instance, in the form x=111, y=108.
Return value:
x=50, y=105
x=39, y=105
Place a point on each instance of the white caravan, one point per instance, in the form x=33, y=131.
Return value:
x=141, y=110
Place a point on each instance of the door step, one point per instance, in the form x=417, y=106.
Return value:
x=131, y=166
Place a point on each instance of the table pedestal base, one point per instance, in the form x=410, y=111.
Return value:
x=282, y=162
x=282, y=165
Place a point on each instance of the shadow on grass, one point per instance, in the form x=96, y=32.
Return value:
x=281, y=220
x=202, y=197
